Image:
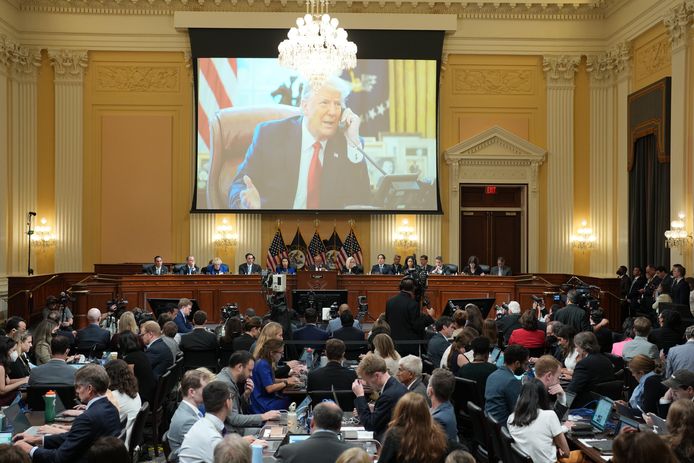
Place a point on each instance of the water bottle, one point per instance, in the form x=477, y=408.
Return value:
x=309, y=359
x=49, y=412
x=257, y=455
x=2, y=419
x=104, y=358
x=291, y=418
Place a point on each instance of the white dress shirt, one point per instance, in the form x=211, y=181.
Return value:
x=200, y=441
x=307, y=141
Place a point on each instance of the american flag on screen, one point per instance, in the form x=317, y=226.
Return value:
x=350, y=248
x=216, y=83
x=316, y=247
x=277, y=251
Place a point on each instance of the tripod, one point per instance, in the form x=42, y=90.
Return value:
x=30, y=233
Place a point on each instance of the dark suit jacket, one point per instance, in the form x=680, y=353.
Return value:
x=99, y=420
x=243, y=342
x=428, y=268
x=507, y=324
x=92, y=335
x=183, y=270
x=160, y=357
x=593, y=369
x=151, y=269
x=274, y=154
x=350, y=333
x=397, y=268
x=199, y=339
x=321, y=447
x=387, y=270
x=624, y=284
x=377, y=421
x=255, y=268
x=575, y=316
x=406, y=322
x=636, y=284
x=310, y=333
x=680, y=292
x=335, y=375
x=184, y=326
x=467, y=271
x=505, y=271
x=437, y=346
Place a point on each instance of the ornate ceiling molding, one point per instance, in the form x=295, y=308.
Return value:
x=560, y=70
x=21, y=61
x=678, y=22
x=568, y=10
x=605, y=66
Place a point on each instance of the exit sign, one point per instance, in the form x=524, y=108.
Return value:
x=490, y=190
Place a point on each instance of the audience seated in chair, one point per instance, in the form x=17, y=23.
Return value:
x=640, y=344
x=592, y=368
x=56, y=372
x=439, y=391
x=310, y=332
x=410, y=375
x=479, y=369
x=332, y=376
x=158, y=354
x=123, y=387
x=439, y=342
x=503, y=386
x=350, y=333
x=233, y=449
x=188, y=411
x=93, y=336
x=199, y=339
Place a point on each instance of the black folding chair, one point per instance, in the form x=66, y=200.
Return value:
x=193, y=359
x=493, y=429
x=519, y=456
x=137, y=434
x=483, y=447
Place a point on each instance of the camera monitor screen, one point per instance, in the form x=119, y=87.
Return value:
x=372, y=131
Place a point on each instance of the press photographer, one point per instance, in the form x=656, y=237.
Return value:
x=577, y=310
x=407, y=322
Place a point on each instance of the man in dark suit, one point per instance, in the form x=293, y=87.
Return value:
x=509, y=322
x=373, y=371
x=316, y=158
x=323, y=446
x=310, y=332
x=250, y=267
x=93, y=336
x=381, y=268
x=592, y=368
x=680, y=288
x=251, y=331
x=638, y=282
x=199, y=339
x=158, y=353
x=572, y=314
x=157, y=268
x=56, y=372
x=500, y=269
x=318, y=265
x=397, y=266
x=648, y=291
x=189, y=268
x=439, y=342
x=424, y=263
x=350, y=333
x=406, y=321
x=332, y=375
x=624, y=281
x=181, y=319
x=100, y=419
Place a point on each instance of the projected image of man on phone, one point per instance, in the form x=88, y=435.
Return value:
x=311, y=161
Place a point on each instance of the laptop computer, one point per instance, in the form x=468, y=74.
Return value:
x=624, y=410
x=562, y=410
x=598, y=421
x=659, y=424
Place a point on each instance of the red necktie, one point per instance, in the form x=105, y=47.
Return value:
x=313, y=190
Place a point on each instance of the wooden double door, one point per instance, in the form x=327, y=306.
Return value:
x=493, y=225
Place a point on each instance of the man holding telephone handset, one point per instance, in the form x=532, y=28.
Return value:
x=303, y=162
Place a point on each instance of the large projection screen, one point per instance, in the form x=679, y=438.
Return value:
x=364, y=141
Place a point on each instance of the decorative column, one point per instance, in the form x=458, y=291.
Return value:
x=201, y=234
x=69, y=67
x=382, y=230
x=623, y=79
x=24, y=65
x=603, y=69
x=249, y=230
x=4, y=165
x=428, y=228
x=678, y=22
x=559, y=71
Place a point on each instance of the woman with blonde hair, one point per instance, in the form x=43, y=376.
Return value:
x=126, y=322
x=413, y=436
x=384, y=348
x=20, y=368
x=43, y=334
x=354, y=455
x=649, y=389
x=274, y=330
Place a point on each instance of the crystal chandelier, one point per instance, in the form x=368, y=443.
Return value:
x=317, y=48
x=224, y=235
x=584, y=238
x=405, y=237
x=42, y=236
x=678, y=236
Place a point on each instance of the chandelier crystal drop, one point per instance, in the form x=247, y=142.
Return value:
x=317, y=48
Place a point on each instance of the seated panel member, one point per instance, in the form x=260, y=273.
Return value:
x=285, y=267
x=501, y=269
x=250, y=267
x=316, y=157
x=157, y=268
x=397, y=266
x=439, y=268
x=381, y=268
x=217, y=267
x=351, y=267
x=189, y=268
x=324, y=445
x=424, y=263
x=100, y=419
x=473, y=267
x=318, y=264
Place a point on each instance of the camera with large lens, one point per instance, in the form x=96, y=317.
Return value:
x=142, y=316
x=230, y=310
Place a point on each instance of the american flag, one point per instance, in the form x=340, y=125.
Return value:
x=350, y=248
x=316, y=247
x=277, y=251
x=216, y=81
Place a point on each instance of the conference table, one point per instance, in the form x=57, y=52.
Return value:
x=27, y=294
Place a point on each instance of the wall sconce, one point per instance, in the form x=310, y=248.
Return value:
x=42, y=236
x=224, y=235
x=584, y=238
x=405, y=237
x=678, y=237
